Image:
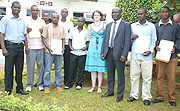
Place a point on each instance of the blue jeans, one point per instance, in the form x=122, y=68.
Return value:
x=49, y=59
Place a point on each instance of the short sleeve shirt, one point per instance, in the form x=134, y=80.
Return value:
x=51, y=32
x=34, y=37
x=13, y=29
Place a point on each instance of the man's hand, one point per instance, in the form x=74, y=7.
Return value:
x=102, y=57
x=146, y=53
x=5, y=52
x=84, y=48
x=62, y=50
x=29, y=30
x=157, y=48
x=41, y=30
x=72, y=48
x=50, y=50
x=173, y=50
x=123, y=58
x=135, y=36
x=26, y=50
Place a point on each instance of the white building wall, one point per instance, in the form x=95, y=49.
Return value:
x=72, y=5
x=84, y=6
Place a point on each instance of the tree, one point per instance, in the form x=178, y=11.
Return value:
x=130, y=7
x=160, y=3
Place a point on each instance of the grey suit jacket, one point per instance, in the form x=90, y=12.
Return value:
x=122, y=40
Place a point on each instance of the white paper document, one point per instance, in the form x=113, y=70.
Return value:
x=78, y=42
x=165, y=51
x=142, y=44
x=56, y=46
x=35, y=26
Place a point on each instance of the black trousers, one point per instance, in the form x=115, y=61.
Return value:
x=120, y=66
x=15, y=58
x=66, y=56
x=74, y=63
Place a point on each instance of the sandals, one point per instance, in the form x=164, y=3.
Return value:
x=92, y=90
x=99, y=90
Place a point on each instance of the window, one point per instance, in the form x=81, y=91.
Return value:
x=29, y=12
x=91, y=0
x=2, y=12
x=40, y=12
x=50, y=12
x=104, y=17
x=77, y=15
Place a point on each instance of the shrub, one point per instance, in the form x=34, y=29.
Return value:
x=75, y=23
x=130, y=7
x=16, y=104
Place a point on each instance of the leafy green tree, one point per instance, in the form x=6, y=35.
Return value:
x=130, y=7
x=160, y=3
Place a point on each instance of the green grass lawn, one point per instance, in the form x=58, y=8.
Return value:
x=82, y=100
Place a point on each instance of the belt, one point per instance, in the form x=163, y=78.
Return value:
x=11, y=43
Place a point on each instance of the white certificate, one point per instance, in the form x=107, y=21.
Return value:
x=56, y=46
x=35, y=26
x=142, y=44
x=78, y=41
x=165, y=51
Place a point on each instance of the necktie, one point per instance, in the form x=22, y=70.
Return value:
x=112, y=38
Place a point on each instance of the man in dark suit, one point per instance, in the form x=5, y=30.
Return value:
x=115, y=47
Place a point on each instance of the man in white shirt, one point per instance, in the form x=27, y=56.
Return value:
x=78, y=43
x=68, y=25
x=36, y=49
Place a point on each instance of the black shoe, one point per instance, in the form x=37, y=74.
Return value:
x=146, y=102
x=172, y=103
x=35, y=85
x=21, y=92
x=131, y=99
x=157, y=100
x=119, y=99
x=106, y=95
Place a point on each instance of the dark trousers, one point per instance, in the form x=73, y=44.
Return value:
x=66, y=56
x=16, y=57
x=120, y=66
x=74, y=63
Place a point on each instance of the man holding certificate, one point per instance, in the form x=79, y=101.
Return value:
x=142, y=56
x=78, y=43
x=55, y=34
x=36, y=49
x=167, y=31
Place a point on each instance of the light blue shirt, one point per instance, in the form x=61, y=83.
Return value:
x=147, y=29
x=13, y=29
x=84, y=35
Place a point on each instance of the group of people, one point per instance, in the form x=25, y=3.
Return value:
x=98, y=49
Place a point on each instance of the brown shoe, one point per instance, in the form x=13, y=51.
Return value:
x=47, y=91
x=59, y=89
